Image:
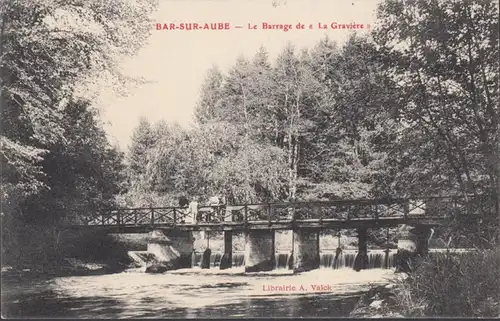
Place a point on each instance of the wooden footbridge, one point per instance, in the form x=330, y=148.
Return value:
x=172, y=237
x=356, y=213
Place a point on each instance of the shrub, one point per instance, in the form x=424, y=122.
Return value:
x=452, y=285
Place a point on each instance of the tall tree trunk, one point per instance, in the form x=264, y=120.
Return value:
x=295, y=168
x=246, y=129
x=290, y=161
x=2, y=30
x=497, y=194
x=295, y=154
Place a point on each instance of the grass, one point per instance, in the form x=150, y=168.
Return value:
x=452, y=285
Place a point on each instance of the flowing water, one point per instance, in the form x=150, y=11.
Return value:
x=376, y=259
x=330, y=291
x=193, y=293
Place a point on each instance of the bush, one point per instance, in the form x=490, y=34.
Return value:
x=45, y=247
x=452, y=285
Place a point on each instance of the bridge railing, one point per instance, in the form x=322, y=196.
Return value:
x=345, y=210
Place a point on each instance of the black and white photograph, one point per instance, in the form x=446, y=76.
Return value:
x=220, y=159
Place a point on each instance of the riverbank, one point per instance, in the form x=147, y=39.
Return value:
x=68, y=267
x=445, y=284
x=379, y=302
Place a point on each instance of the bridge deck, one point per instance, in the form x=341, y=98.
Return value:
x=280, y=216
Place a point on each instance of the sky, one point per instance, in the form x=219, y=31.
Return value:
x=175, y=62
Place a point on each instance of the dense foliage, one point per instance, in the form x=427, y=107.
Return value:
x=464, y=285
x=57, y=164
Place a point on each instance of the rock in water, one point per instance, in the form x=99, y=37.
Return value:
x=205, y=261
x=377, y=304
x=157, y=268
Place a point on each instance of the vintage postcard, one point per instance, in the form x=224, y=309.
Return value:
x=243, y=159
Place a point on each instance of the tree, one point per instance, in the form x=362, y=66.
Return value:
x=443, y=56
x=214, y=158
x=295, y=89
x=347, y=145
x=83, y=175
x=142, y=140
x=208, y=107
x=48, y=50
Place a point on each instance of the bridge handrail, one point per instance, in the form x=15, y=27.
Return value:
x=342, y=208
x=359, y=201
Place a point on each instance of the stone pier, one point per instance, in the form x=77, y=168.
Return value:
x=305, y=250
x=259, y=250
x=421, y=235
x=172, y=249
x=412, y=242
x=361, y=260
x=227, y=259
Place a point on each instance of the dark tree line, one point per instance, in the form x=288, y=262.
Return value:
x=57, y=164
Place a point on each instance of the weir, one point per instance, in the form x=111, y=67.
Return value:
x=376, y=259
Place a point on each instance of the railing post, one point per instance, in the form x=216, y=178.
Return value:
x=175, y=216
x=406, y=209
x=376, y=211
x=348, y=212
x=135, y=217
x=387, y=250
x=102, y=219
x=269, y=213
x=118, y=218
x=246, y=213
x=152, y=217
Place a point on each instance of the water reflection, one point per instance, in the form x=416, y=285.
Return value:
x=191, y=293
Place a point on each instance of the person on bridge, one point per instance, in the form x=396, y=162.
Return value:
x=214, y=203
x=222, y=208
x=192, y=211
x=183, y=201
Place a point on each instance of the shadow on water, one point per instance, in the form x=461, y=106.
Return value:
x=48, y=304
x=280, y=306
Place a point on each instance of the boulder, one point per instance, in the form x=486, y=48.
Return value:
x=157, y=268
x=377, y=304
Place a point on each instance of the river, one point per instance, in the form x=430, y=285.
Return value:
x=192, y=293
